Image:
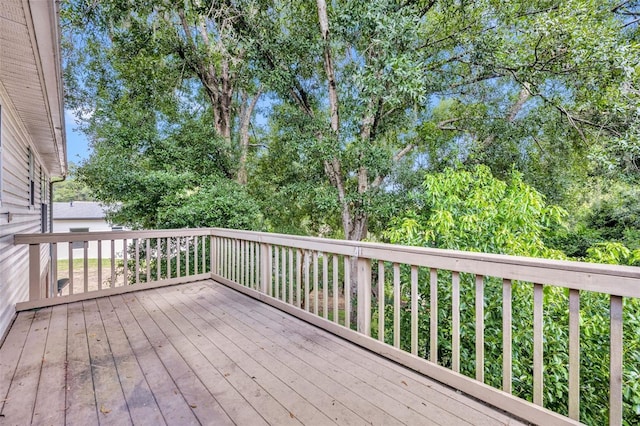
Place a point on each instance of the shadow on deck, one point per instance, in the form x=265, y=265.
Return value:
x=202, y=353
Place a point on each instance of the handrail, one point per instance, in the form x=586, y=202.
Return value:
x=320, y=279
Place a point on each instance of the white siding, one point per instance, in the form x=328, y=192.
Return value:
x=16, y=214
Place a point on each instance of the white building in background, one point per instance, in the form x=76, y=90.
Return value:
x=83, y=216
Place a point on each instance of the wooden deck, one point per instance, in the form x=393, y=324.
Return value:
x=202, y=353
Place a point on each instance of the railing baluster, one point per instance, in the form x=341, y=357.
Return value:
x=158, y=257
x=203, y=243
x=148, y=258
x=276, y=275
x=396, y=305
x=178, y=256
x=196, y=243
x=381, y=300
x=506, y=336
x=112, y=282
x=455, y=321
x=414, y=310
x=334, y=291
x=615, y=359
x=126, y=262
x=85, y=265
x=433, y=315
x=325, y=286
x=537, y=344
x=187, y=260
x=283, y=253
x=71, y=268
x=299, y=278
x=137, y=259
x=480, y=328
x=364, y=296
x=315, y=282
x=347, y=292
x=291, y=276
x=307, y=266
x=252, y=283
x=99, y=265
x=574, y=354
x=168, y=257
x=54, y=270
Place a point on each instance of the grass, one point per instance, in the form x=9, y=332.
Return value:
x=78, y=264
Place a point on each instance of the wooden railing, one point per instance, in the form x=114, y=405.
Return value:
x=448, y=314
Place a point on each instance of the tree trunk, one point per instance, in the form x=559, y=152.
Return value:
x=246, y=111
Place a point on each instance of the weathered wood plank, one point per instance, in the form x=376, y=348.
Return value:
x=245, y=388
x=203, y=404
x=140, y=400
x=50, y=406
x=81, y=400
x=335, y=349
x=391, y=398
x=110, y=402
x=359, y=396
x=175, y=409
x=284, y=388
x=176, y=328
x=315, y=406
x=10, y=352
x=20, y=400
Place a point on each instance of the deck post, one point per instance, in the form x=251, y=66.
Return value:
x=364, y=296
x=36, y=289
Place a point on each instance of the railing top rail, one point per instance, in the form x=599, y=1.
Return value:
x=611, y=279
x=66, y=237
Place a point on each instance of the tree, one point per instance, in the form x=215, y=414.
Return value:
x=71, y=189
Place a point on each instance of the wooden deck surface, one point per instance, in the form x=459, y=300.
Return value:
x=201, y=353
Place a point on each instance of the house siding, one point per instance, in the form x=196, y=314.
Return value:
x=17, y=215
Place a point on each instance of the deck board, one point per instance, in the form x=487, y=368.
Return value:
x=201, y=353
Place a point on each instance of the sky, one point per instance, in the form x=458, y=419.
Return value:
x=77, y=143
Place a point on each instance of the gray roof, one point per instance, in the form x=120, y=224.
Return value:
x=79, y=210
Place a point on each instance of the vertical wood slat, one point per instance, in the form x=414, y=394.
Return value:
x=290, y=276
x=455, y=321
x=252, y=282
x=126, y=262
x=54, y=269
x=137, y=259
x=414, y=310
x=276, y=274
x=315, y=282
x=148, y=258
x=113, y=264
x=283, y=262
x=187, y=257
x=615, y=359
x=306, y=279
x=168, y=257
x=99, y=265
x=178, y=256
x=299, y=278
x=71, y=283
x=433, y=315
x=347, y=292
x=325, y=286
x=396, y=305
x=214, y=250
x=203, y=242
x=506, y=337
x=480, y=328
x=85, y=265
x=364, y=296
x=381, y=301
x=537, y=343
x=574, y=354
x=195, y=256
x=334, y=291
x=158, y=259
